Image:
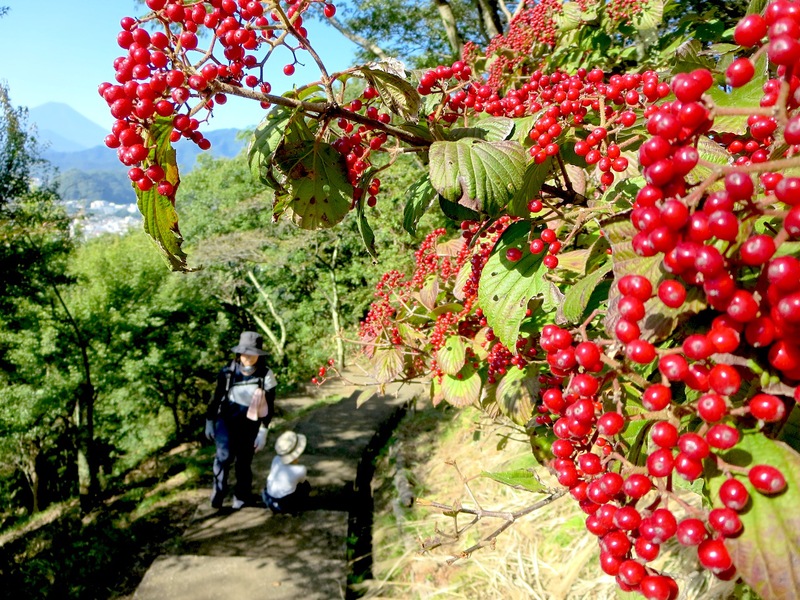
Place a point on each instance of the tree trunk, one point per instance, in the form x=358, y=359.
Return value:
x=450, y=27
x=489, y=11
x=31, y=471
x=336, y=321
x=88, y=483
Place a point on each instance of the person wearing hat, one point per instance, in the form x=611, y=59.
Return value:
x=287, y=488
x=238, y=417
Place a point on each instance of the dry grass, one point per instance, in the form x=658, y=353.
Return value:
x=545, y=555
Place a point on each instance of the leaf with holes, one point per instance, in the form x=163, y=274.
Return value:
x=767, y=552
x=452, y=355
x=463, y=389
x=316, y=187
x=660, y=321
x=481, y=176
x=160, y=217
x=396, y=93
x=517, y=392
x=506, y=287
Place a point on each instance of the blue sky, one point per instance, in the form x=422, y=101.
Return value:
x=60, y=51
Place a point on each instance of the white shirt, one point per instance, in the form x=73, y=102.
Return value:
x=283, y=479
x=241, y=392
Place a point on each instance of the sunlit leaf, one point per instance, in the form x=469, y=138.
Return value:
x=463, y=389
x=570, y=16
x=160, y=217
x=365, y=230
x=316, y=183
x=767, y=552
x=387, y=364
x=451, y=356
x=747, y=96
x=491, y=129
x=429, y=292
x=482, y=176
x=521, y=479
x=505, y=287
x=649, y=16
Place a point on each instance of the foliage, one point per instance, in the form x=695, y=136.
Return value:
x=621, y=287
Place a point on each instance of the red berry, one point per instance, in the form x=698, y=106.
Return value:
x=740, y=72
x=713, y=555
x=750, y=30
x=733, y=494
x=767, y=479
x=513, y=254
x=767, y=407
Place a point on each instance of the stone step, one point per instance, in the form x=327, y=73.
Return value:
x=273, y=576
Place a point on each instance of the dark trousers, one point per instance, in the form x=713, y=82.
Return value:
x=292, y=503
x=235, y=435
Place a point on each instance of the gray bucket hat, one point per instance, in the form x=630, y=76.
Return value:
x=289, y=446
x=250, y=342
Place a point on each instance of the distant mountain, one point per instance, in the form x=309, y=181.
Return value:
x=224, y=144
x=65, y=128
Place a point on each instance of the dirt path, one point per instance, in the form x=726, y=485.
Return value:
x=251, y=553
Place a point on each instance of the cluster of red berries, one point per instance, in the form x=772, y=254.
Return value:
x=546, y=240
x=324, y=373
x=165, y=70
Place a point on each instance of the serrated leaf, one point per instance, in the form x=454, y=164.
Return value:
x=481, y=176
x=534, y=177
x=517, y=392
x=688, y=57
x=505, y=287
x=463, y=391
x=577, y=296
x=419, y=198
x=316, y=183
x=387, y=364
x=491, y=129
x=660, y=321
x=521, y=479
x=710, y=152
x=396, y=93
x=767, y=552
x=452, y=355
x=160, y=217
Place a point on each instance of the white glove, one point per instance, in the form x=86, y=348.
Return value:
x=210, y=430
x=261, y=439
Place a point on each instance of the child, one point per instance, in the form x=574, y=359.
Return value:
x=287, y=488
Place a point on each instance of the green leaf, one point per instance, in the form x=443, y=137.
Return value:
x=462, y=391
x=482, y=176
x=570, y=16
x=160, y=217
x=387, y=364
x=316, y=183
x=747, y=96
x=397, y=94
x=516, y=393
x=419, y=198
x=505, y=287
x=765, y=553
x=756, y=6
x=365, y=230
x=688, y=57
x=456, y=212
x=265, y=141
x=577, y=296
x=491, y=129
x=649, y=17
x=532, y=181
x=660, y=321
x=521, y=479
x=452, y=355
